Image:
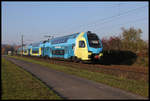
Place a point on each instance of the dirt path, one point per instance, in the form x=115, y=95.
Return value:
x=72, y=87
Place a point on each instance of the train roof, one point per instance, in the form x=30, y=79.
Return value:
x=36, y=44
x=63, y=39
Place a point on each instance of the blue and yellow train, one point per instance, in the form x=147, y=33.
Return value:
x=78, y=46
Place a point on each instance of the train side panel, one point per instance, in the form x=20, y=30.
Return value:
x=80, y=51
x=36, y=49
x=46, y=50
x=25, y=51
x=63, y=47
x=82, y=46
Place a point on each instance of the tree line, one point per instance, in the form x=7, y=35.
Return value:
x=129, y=40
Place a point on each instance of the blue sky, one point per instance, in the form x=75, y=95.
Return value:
x=36, y=19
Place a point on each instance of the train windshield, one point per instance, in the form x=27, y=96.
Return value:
x=93, y=40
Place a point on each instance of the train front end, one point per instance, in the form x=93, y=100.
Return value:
x=88, y=46
x=94, y=46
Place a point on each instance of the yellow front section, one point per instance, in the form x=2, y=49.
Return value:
x=81, y=53
x=25, y=53
x=36, y=54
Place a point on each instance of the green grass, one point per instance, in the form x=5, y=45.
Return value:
x=137, y=87
x=19, y=84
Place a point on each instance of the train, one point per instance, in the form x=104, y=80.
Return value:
x=81, y=46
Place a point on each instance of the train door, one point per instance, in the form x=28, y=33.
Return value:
x=43, y=51
x=66, y=52
x=29, y=52
x=81, y=50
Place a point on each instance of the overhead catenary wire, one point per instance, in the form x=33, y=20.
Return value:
x=110, y=17
x=121, y=14
x=114, y=16
x=106, y=22
x=107, y=18
x=84, y=4
x=110, y=6
x=110, y=27
x=131, y=21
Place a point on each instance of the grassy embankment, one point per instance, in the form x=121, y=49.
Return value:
x=142, y=61
x=137, y=87
x=19, y=84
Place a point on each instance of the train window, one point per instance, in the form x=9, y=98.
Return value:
x=29, y=50
x=73, y=46
x=47, y=48
x=35, y=51
x=25, y=51
x=53, y=52
x=59, y=40
x=93, y=40
x=81, y=44
x=58, y=52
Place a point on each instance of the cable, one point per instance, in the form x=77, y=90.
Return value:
x=141, y=19
x=106, y=22
x=72, y=5
x=116, y=15
x=110, y=6
x=121, y=14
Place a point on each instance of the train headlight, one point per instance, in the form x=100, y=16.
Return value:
x=101, y=54
x=89, y=53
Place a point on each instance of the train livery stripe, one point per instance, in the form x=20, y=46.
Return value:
x=25, y=53
x=81, y=53
x=40, y=51
x=31, y=51
x=36, y=54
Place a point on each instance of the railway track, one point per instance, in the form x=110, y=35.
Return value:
x=131, y=72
